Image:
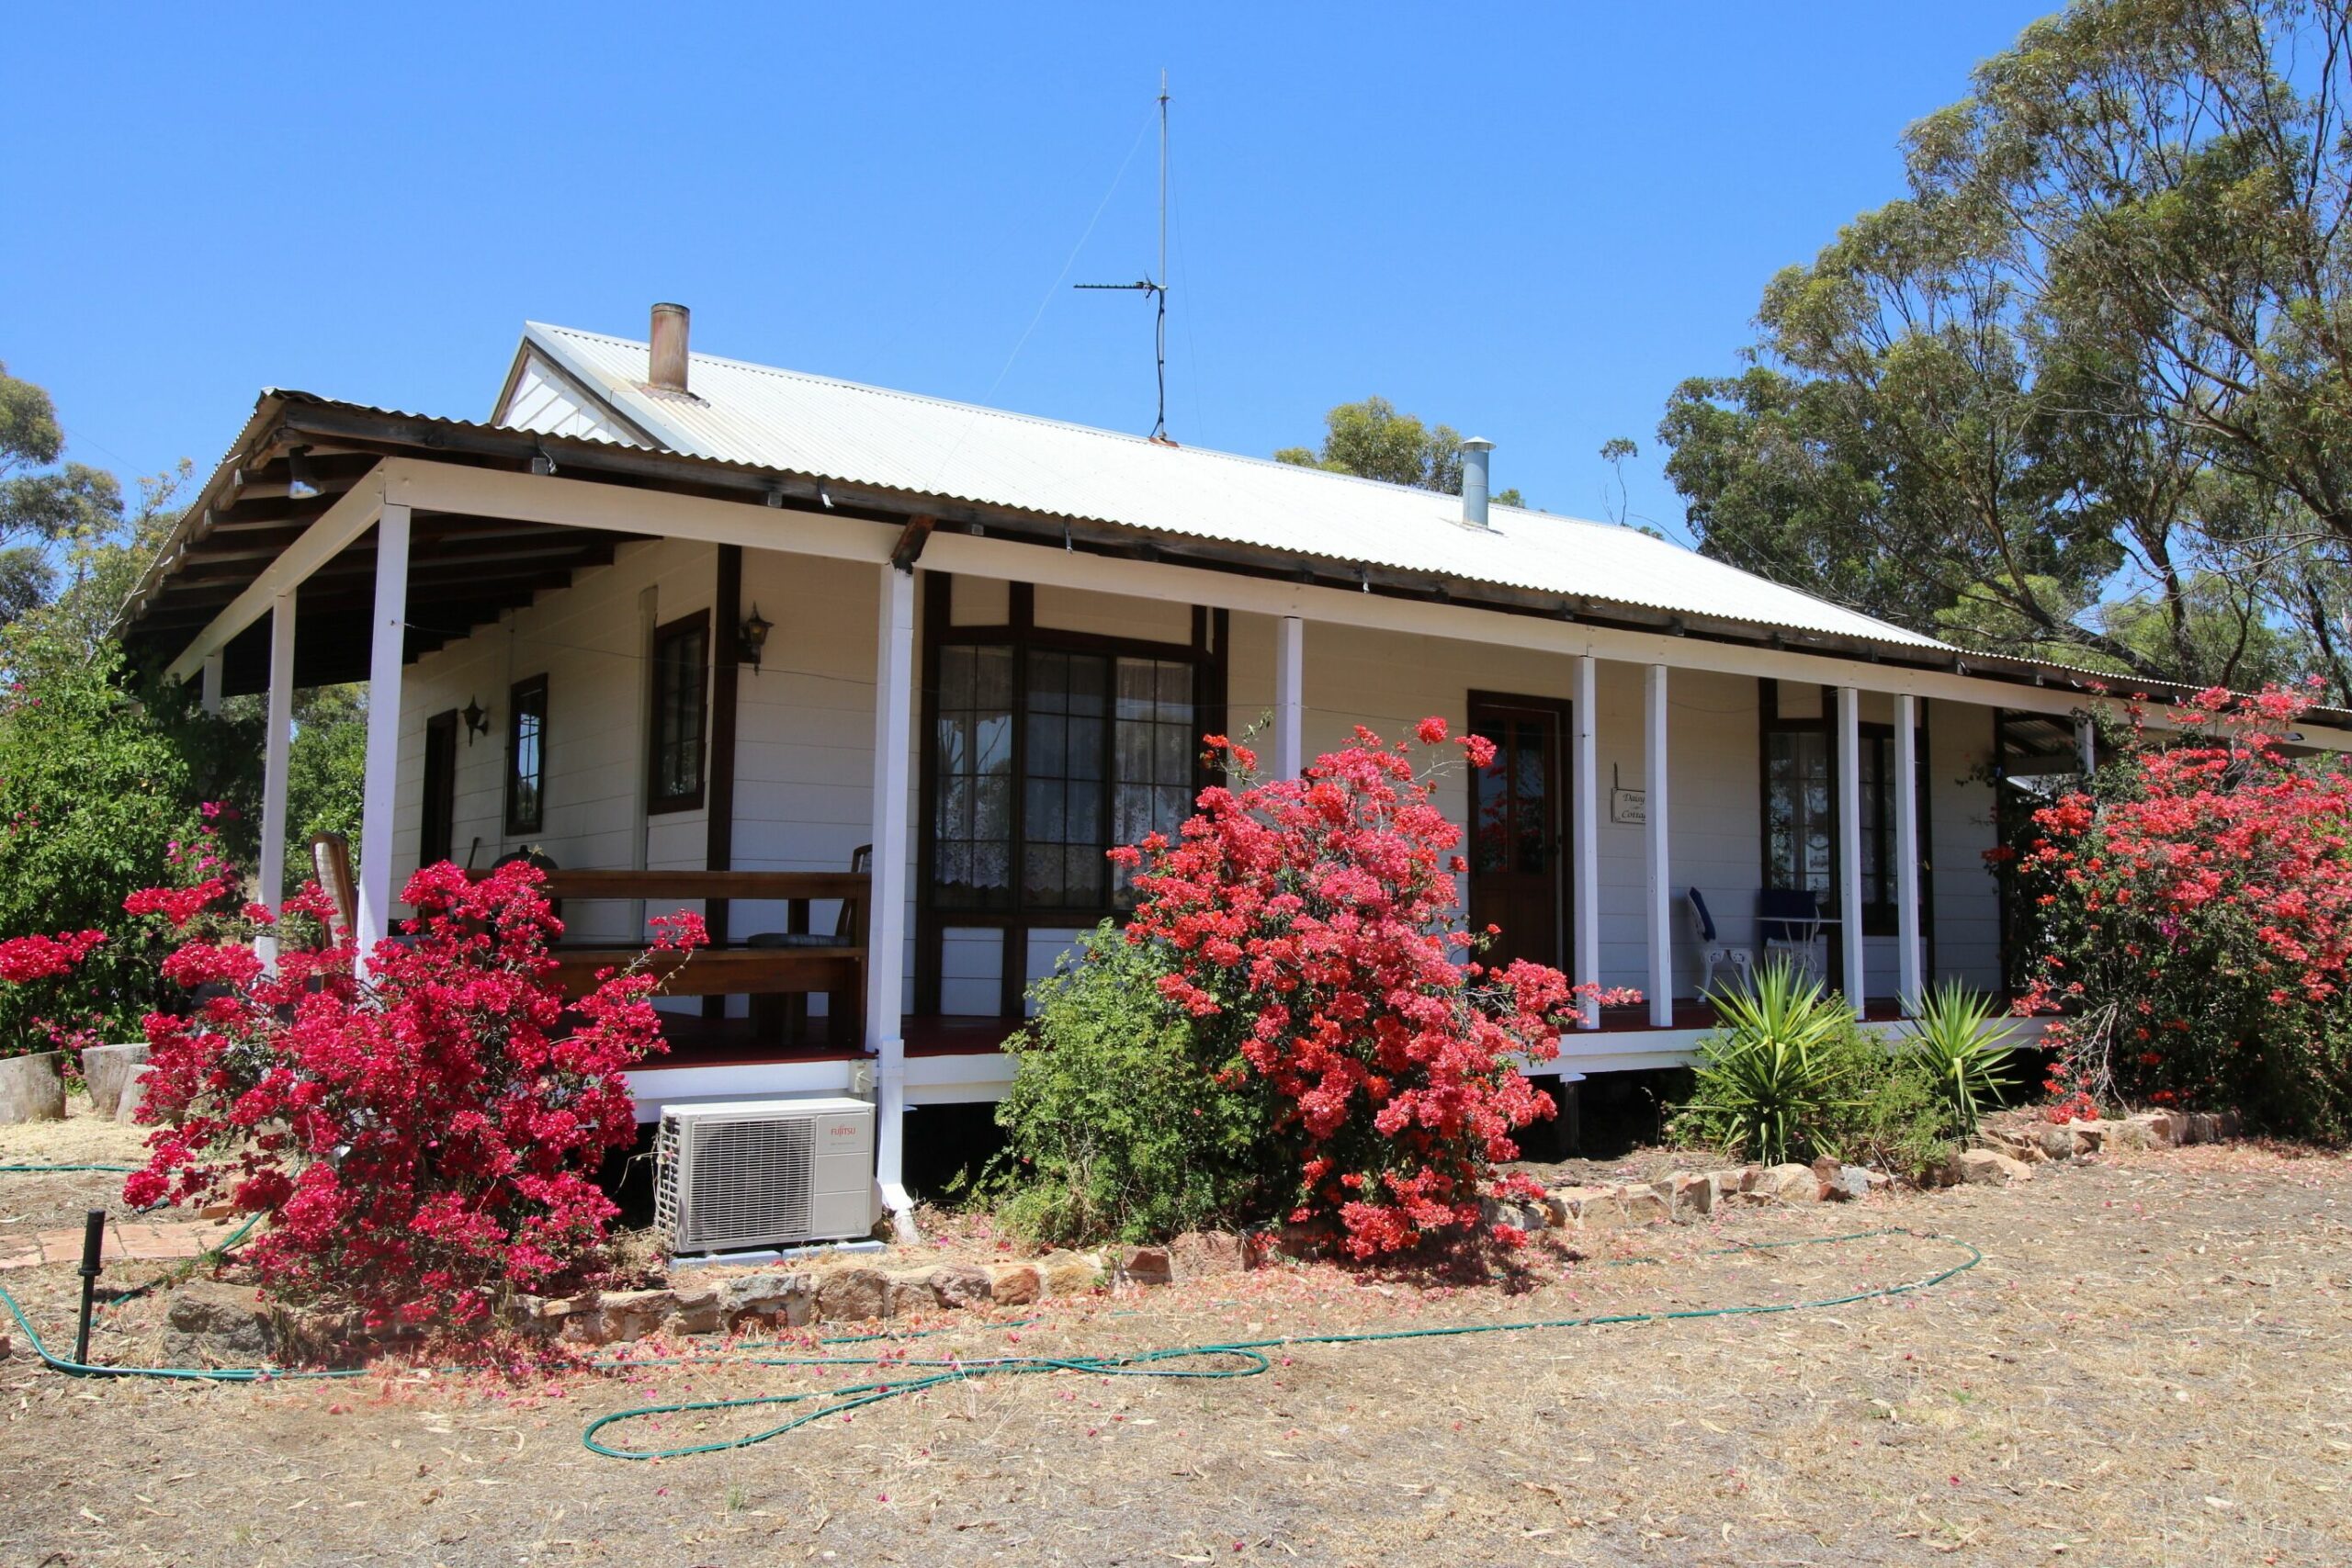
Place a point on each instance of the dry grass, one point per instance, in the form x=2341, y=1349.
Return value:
x=2147, y=1368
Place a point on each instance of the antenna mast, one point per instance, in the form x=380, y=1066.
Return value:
x=1156, y=289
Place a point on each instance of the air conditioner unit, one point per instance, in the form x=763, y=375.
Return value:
x=764, y=1173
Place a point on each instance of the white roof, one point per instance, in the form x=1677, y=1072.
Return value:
x=759, y=415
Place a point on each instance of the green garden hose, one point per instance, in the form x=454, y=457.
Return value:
x=1234, y=1359
x=1243, y=1358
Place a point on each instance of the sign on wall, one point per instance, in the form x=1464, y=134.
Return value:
x=1629, y=806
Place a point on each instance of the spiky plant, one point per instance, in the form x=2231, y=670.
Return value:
x=1768, y=1078
x=1956, y=1039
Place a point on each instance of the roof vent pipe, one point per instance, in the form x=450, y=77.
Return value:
x=669, y=351
x=1474, y=480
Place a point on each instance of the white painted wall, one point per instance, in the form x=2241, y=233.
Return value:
x=586, y=640
x=805, y=739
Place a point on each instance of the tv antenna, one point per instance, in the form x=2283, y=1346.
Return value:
x=1156, y=289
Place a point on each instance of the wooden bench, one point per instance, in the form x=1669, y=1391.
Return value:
x=836, y=968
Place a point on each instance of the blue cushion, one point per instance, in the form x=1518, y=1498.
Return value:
x=1706, y=920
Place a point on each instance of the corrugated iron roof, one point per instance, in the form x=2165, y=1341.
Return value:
x=838, y=430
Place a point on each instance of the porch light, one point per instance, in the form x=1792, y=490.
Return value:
x=755, y=635
x=477, y=721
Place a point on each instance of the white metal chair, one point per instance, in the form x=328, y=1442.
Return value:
x=1788, y=920
x=1714, y=952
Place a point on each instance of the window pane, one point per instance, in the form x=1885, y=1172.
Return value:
x=971, y=820
x=1799, y=830
x=1154, y=738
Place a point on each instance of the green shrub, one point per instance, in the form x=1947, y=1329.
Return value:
x=1963, y=1049
x=1118, y=1126
x=1770, y=1080
x=1791, y=1075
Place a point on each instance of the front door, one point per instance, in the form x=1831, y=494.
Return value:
x=1518, y=805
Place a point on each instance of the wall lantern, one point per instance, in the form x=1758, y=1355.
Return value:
x=477, y=721
x=755, y=631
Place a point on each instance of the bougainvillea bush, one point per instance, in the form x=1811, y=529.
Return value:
x=422, y=1129
x=2195, y=905
x=1305, y=928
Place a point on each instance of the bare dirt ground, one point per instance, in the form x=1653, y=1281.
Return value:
x=2148, y=1367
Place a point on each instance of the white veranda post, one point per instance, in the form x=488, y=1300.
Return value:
x=1850, y=846
x=1661, y=876
x=385, y=645
x=278, y=704
x=1909, y=959
x=1584, y=837
x=894, y=685
x=1290, y=699
x=210, y=692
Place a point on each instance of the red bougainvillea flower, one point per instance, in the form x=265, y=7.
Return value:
x=2193, y=915
x=1313, y=919
x=423, y=1127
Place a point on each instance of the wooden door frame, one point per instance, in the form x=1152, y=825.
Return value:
x=1562, y=712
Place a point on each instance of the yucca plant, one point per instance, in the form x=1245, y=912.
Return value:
x=1956, y=1039
x=1769, y=1078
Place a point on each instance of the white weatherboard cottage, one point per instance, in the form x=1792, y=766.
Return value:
x=863, y=672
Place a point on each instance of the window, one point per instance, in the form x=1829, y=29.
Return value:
x=1044, y=747
x=681, y=669
x=1801, y=810
x=527, y=755
x=1099, y=751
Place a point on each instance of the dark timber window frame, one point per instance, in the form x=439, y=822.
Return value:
x=1016, y=915
x=680, y=698
x=1878, y=911
x=526, y=699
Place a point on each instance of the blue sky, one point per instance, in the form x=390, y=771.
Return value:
x=1530, y=222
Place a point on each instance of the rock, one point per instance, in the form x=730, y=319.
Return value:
x=1643, y=1207
x=1495, y=1211
x=218, y=1325
x=907, y=1293
x=770, y=1299
x=1826, y=1170
x=1790, y=1184
x=2088, y=1137
x=1592, y=1208
x=2203, y=1128
x=7, y=1348
x=2131, y=1132
x=1852, y=1182
x=1143, y=1266
x=1014, y=1284
x=1742, y=1178
x=615, y=1318
x=1989, y=1167
x=1691, y=1196
x=2165, y=1127
x=32, y=1086
x=695, y=1311
x=2055, y=1140
x=104, y=1068
x=134, y=1093
x=1070, y=1273
x=962, y=1285
x=852, y=1294
x=1197, y=1255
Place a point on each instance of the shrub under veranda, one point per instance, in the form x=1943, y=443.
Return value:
x=420, y=1126
x=1325, y=1014
x=1789, y=1075
x=2194, y=906
x=1124, y=1122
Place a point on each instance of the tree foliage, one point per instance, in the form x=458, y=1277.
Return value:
x=43, y=502
x=1373, y=441
x=2086, y=389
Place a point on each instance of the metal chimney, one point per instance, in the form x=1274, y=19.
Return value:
x=1474, y=480
x=669, y=348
